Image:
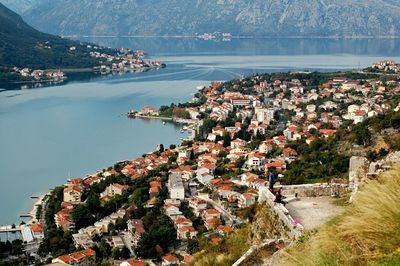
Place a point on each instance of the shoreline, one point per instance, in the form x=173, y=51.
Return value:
x=32, y=212
x=41, y=198
x=340, y=37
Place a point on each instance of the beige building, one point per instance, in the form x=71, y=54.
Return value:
x=73, y=194
x=113, y=190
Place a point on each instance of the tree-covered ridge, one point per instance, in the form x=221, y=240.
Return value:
x=24, y=47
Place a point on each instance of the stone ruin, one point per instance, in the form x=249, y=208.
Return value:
x=361, y=169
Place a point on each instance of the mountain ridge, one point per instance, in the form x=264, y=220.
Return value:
x=303, y=18
x=19, y=6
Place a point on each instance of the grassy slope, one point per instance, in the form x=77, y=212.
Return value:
x=367, y=234
x=231, y=249
x=262, y=226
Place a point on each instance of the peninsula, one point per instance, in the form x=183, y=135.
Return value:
x=270, y=159
x=27, y=55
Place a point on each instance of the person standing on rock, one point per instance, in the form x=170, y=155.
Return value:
x=271, y=181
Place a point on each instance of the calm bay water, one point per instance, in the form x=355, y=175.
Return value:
x=75, y=129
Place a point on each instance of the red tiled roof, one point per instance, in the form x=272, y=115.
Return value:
x=37, y=228
x=211, y=211
x=256, y=155
x=154, y=189
x=187, y=229
x=275, y=164
x=247, y=195
x=170, y=258
x=92, y=179
x=328, y=132
x=134, y=262
x=89, y=252
x=77, y=256
x=75, y=181
x=66, y=259
x=187, y=259
x=74, y=188
x=121, y=187
x=225, y=228
x=225, y=187
x=182, y=220
x=65, y=204
x=216, y=240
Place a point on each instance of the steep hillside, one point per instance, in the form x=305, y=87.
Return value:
x=187, y=17
x=23, y=46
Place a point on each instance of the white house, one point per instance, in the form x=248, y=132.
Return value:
x=246, y=199
x=255, y=160
x=175, y=187
x=205, y=178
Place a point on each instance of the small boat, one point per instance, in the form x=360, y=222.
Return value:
x=182, y=131
x=163, y=123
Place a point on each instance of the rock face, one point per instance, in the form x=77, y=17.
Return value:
x=240, y=17
x=19, y=6
x=361, y=169
x=267, y=225
x=357, y=168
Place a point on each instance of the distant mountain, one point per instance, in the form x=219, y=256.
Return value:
x=240, y=17
x=19, y=6
x=23, y=46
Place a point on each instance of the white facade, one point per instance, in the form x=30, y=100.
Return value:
x=264, y=115
x=175, y=187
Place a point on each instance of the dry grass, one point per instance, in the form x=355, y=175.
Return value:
x=264, y=226
x=226, y=253
x=367, y=234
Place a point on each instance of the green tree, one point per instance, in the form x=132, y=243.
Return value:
x=361, y=135
x=120, y=224
x=104, y=250
x=193, y=246
x=227, y=140
x=116, y=253
x=161, y=232
x=82, y=217
x=125, y=253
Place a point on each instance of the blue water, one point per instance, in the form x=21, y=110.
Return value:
x=51, y=133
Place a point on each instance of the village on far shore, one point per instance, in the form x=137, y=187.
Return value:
x=248, y=140
x=119, y=62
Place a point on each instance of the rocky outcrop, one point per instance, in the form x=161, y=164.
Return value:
x=268, y=248
x=240, y=17
x=357, y=170
x=361, y=169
